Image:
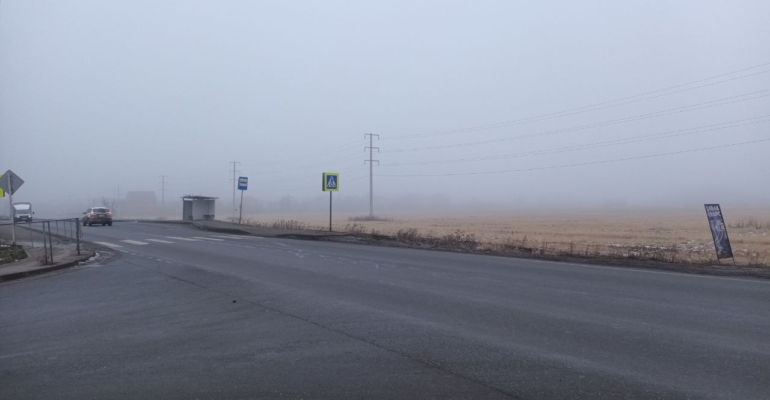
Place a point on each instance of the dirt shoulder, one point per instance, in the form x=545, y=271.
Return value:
x=725, y=269
x=468, y=245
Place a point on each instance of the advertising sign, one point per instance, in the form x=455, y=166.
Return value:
x=719, y=231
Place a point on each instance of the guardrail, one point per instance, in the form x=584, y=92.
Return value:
x=64, y=230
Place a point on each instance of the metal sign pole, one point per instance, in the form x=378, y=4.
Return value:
x=330, y=211
x=10, y=209
x=240, y=210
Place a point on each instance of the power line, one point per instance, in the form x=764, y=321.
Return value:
x=316, y=164
x=614, y=142
x=591, y=107
x=671, y=111
x=316, y=186
x=578, y=164
x=314, y=154
x=304, y=175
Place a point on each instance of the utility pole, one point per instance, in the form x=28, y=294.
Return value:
x=235, y=183
x=371, y=170
x=163, y=191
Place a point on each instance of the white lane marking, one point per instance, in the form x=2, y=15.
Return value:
x=281, y=244
x=228, y=237
x=108, y=244
x=205, y=238
x=134, y=242
x=158, y=241
x=181, y=238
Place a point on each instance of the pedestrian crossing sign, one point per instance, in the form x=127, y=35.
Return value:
x=331, y=182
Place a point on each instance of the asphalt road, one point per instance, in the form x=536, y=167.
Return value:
x=182, y=313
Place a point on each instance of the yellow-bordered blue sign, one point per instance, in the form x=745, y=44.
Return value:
x=331, y=182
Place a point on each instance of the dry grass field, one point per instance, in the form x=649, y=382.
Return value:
x=662, y=235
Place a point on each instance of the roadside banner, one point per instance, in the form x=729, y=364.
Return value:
x=719, y=231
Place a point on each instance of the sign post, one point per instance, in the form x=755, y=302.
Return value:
x=330, y=182
x=11, y=184
x=719, y=232
x=243, y=184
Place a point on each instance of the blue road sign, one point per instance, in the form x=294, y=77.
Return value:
x=243, y=182
x=331, y=182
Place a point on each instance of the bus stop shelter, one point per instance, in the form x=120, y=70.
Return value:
x=198, y=208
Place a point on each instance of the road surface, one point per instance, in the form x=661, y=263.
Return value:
x=183, y=313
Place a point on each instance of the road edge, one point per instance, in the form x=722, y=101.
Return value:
x=385, y=241
x=46, y=269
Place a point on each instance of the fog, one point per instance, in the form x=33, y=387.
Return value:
x=478, y=105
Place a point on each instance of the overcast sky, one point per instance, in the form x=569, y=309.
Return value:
x=96, y=95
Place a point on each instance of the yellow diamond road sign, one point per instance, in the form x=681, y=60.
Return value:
x=11, y=182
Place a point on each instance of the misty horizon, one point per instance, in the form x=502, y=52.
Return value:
x=496, y=104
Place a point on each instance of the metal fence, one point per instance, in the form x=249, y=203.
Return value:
x=43, y=234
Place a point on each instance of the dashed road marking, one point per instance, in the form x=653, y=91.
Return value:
x=281, y=244
x=206, y=238
x=228, y=237
x=181, y=238
x=134, y=242
x=108, y=244
x=159, y=241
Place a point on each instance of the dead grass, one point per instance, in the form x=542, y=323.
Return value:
x=11, y=253
x=369, y=218
x=681, y=236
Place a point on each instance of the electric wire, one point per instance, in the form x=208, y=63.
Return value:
x=671, y=111
x=591, y=107
x=578, y=164
x=614, y=142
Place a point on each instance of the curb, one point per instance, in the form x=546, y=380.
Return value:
x=231, y=231
x=50, y=268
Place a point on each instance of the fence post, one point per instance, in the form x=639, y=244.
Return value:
x=45, y=250
x=50, y=240
x=77, y=224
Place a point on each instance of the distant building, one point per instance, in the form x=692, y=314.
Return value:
x=140, y=205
